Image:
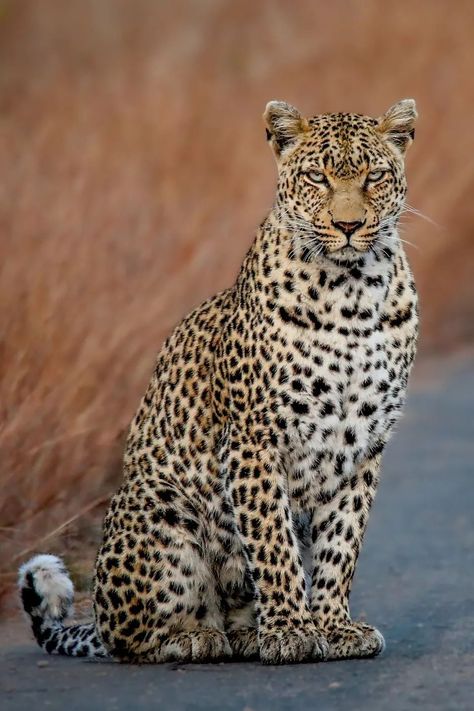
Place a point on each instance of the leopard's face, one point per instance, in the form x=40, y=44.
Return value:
x=341, y=184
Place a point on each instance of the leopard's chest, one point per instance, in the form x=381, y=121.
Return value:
x=340, y=399
x=333, y=422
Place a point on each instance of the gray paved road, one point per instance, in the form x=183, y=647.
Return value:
x=415, y=581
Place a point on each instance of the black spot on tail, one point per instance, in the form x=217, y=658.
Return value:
x=29, y=596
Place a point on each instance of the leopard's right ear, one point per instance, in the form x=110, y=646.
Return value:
x=284, y=124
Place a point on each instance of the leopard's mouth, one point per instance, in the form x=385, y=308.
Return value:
x=339, y=243
x=364, y=242
x=356, y=244
x=341, y=248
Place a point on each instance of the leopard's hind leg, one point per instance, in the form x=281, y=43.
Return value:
x=241, y=616
x=155, y=595
x=242, y=632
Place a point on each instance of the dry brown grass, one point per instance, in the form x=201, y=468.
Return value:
x=134, y=171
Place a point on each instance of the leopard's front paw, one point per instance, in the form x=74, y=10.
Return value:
x=288, y=646
x=353, y=640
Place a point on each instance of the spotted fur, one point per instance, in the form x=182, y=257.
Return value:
x=262, y=430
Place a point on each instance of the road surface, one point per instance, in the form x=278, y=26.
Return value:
x=415, y=582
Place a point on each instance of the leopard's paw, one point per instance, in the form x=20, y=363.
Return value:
x=205, y=645
x=244, y=643
x=288, y=646
x=353, y=640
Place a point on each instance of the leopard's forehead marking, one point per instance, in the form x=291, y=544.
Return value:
x=344, y=143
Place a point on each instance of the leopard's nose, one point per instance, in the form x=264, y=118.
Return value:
x=348, y=227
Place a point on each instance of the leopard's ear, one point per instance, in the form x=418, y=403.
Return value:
x=284, y=124
x=397, y=125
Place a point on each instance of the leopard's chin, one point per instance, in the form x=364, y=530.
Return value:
x=347, y=255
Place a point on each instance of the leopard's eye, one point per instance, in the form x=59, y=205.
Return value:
x=315, y=177
x=375, y=175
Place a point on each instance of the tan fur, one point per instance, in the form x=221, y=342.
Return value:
x=262, y=429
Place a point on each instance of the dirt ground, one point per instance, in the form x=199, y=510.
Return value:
x=414, y=582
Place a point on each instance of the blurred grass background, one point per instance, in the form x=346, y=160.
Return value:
x=134, y=171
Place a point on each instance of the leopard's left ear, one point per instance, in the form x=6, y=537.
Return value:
x=398, y=124
x=284, y=125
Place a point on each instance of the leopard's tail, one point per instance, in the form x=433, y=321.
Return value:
x=47, y=594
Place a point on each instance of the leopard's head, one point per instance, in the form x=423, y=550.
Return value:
x=341, y=177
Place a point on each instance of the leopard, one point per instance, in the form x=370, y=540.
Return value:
x=253, y=460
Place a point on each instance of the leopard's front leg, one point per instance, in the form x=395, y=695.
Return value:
x=286, y=630
x=338, y=527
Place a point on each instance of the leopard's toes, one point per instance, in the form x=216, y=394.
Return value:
x=288, y=646
x=355, y=640
x=244, y=643
x=206, y=645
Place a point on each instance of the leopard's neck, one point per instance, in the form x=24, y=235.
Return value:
x=275, y=273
